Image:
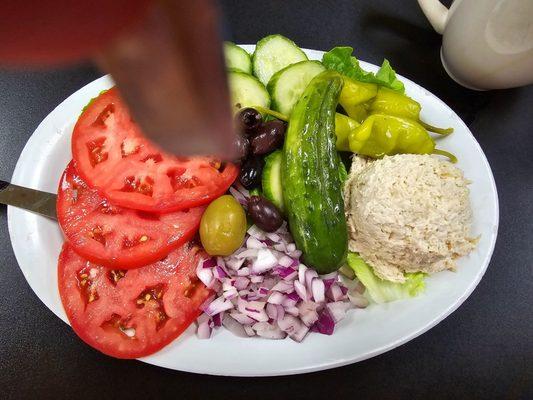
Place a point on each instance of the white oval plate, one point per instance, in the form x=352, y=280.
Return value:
x=364, y=333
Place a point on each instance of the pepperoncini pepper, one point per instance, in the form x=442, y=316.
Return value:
x=344, y=126
x=355, y=97
x=381, y=135
x=390, y=102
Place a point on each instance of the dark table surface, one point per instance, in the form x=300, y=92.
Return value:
x=483, y=350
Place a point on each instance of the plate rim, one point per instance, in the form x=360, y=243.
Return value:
x=328, y=364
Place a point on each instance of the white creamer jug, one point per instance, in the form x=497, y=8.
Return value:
x=486, y=44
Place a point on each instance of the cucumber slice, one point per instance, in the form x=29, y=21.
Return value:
x=274, y=53
x=237, y=58
x=286, y=86
x=246, y=91
x=271, y=179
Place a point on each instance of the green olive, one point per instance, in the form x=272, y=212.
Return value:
x=223, y=226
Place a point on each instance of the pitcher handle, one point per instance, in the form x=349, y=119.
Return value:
x=435, y=12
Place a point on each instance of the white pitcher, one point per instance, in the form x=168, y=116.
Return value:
x=486, y=44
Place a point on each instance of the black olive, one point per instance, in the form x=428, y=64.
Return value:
x=264, y=214
x=248, y=120
x=269, y=136
x=251, y=169
x=243, y=147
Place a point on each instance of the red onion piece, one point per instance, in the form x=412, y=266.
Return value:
x=325, y=323
x=241, y=318
x=318, y=290
x=338, y=310
x=300, y=290
x=217, y=306
x=268, y=331
x=276, y=298
x=234, y=327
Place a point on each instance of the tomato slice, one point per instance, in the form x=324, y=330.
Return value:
x=112, y=155
x=131, y=313
x=114, y=236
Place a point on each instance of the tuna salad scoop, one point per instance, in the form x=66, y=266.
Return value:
x=408, y=213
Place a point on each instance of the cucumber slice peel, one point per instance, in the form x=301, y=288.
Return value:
x=246, y=91
x=274, y=53
x=287, y=85
x=271, y=180
x=237, y=58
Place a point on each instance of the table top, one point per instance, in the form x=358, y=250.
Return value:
x=483, y=350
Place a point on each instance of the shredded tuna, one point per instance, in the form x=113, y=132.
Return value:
x=408, y=213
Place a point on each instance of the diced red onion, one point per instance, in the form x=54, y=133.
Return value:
x=241, y=282
x=318, y=290
x=283, y=271
x=209, y=263
x=283, y=286
x=217, y=306
x=334, y=292
x=293, y=296
x=204, y=274
x=249, y=330
x=280, y=247
x=292, y=311
x=262, y=289
x=291, y=276
x=235, y=263
x=276, y=298
x=268, y=331
x=238, y=196
x=253, y=309
x=325, y=323
x=230, y=293
x=281, y=311
x=288, y=302
x=272, y=311
x=256, y=232
x=301, y=273
x=338, y=310
x=300, y=290
x=217, y=319
x=253, y=243
x=331, y=275
x=273, y=236
x=265, y=261
x=310, y=274
x=293, y=327
x=247, y=253
x=219, y=273
x=242, y=318
x=204, y=330
x=358, y=299
x=308, y=313
x=233, y=326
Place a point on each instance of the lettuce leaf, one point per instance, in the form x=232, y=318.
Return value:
x=382, y=291
x=341, y=60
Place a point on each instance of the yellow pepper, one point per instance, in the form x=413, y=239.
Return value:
x=355, y=96
x=344, y=126
x=381, y=135
x=390, y=102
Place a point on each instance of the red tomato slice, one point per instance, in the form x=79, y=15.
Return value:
x=131, y=313
x=113, y=156
x=114, y=236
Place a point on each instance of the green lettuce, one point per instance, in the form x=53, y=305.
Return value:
x=382, y=291
x=340, y=59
